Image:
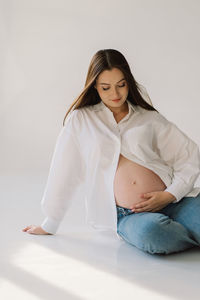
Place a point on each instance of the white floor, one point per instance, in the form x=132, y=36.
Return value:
x=78, y=263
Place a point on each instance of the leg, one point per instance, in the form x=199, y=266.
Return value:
x=154, y=233
x=187, y=213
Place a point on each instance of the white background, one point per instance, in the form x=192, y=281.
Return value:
x=46, y=48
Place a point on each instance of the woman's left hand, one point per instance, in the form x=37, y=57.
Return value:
x=153, y=201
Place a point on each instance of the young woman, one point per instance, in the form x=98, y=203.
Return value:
x=135, y=169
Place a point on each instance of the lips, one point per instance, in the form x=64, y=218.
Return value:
x=116, y=100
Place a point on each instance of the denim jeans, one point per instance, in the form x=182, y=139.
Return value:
x=174, y=228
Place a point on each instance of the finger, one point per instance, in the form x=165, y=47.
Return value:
x=157, y=209
x=144, y=209
x=30, y=231
x=146, y=195
x=26, y=228
x=141, y=204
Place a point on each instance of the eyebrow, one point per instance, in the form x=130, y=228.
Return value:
x=109, y=84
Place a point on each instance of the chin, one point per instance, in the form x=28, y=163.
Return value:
x=120, y=103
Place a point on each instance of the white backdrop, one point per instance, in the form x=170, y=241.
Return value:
x=46, y=47
x=45, y=50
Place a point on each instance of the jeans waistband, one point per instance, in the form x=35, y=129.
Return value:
x=123, y=211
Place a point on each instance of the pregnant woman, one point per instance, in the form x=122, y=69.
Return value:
x=135, y=169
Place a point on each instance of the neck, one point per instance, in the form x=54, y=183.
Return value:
x=119, y=110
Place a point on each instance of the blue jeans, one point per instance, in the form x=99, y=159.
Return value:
x=174, y=228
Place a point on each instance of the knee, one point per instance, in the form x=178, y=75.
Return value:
x=155, y=221
x=155, y=234
x=148, y=233
x=154, y=227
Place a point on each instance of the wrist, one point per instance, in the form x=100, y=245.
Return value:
x=169, y=196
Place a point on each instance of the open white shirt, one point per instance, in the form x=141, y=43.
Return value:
x=87, y=152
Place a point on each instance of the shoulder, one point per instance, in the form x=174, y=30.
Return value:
x=160, y=119
x=154, y=117
x=74, y=120
x=163, y=127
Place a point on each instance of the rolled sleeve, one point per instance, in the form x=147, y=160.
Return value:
x=182, y=154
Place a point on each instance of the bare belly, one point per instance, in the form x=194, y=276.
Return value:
x=132, y=179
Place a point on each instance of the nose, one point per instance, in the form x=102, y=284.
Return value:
x=114, y=93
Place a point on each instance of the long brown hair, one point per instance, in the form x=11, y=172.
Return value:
x=108, y=59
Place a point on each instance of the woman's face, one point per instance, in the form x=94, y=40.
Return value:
x=111, y=85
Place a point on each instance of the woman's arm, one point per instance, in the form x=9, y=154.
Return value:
x=67, y=172
x=182, y=154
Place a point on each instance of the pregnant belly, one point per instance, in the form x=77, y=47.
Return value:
x=132, y=179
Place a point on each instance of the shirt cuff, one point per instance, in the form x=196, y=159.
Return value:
x=50, y=225
x=178, y=190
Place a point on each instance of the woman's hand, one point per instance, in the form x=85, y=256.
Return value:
x=154, y=201
x=35, y=230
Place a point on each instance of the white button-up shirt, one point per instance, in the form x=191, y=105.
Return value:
x=86, y=156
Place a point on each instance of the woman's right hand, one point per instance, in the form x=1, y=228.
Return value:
x=33, y=229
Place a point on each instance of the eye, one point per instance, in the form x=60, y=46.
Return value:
x=122, y=85
x=105, y=89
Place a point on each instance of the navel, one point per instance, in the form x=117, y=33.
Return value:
x=133, y=182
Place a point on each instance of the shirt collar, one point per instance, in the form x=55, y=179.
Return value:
x=102, y=106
